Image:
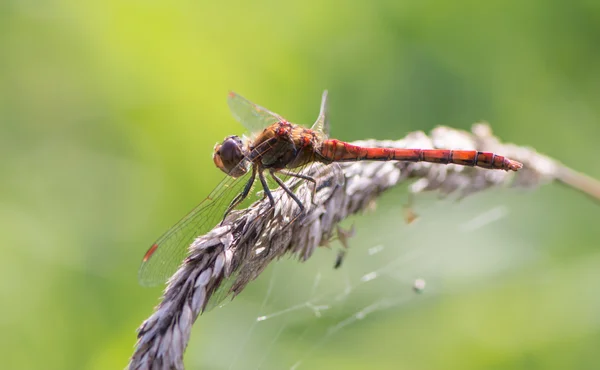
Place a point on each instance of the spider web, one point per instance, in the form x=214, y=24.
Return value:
x=310, y=315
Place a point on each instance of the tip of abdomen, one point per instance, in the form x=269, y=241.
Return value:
x=511, y=165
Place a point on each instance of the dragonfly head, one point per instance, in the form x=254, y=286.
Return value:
x=229, y=156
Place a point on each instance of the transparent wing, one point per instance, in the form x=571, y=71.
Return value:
x=217, y=299
x=252, y=116
x=167, y=253
x=321, y=125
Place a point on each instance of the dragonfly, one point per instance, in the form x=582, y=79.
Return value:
x=279, y=147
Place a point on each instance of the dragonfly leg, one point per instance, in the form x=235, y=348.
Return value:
x=304, y=177
x=287, y=190
x=265, y=186
x=241, y=196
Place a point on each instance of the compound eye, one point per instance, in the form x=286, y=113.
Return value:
x=229, y=155
x=230, y=151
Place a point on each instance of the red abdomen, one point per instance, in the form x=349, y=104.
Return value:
x=339, y=151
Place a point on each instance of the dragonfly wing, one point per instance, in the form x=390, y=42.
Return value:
x=322, y=123
x=167, y=253
x=252, y=116
x=223, y=291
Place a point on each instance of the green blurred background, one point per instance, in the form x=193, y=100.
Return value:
x=109, y=111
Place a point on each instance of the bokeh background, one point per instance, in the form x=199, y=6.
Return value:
x=108, y=114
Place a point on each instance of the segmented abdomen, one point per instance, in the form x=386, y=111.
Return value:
x=339, y=151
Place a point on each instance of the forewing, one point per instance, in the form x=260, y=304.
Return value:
x=252, y=116
x=321, y=125
x=168, y=252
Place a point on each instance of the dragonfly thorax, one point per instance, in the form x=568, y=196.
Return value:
x=230, y=156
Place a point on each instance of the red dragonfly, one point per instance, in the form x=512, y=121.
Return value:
x=279, y=148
